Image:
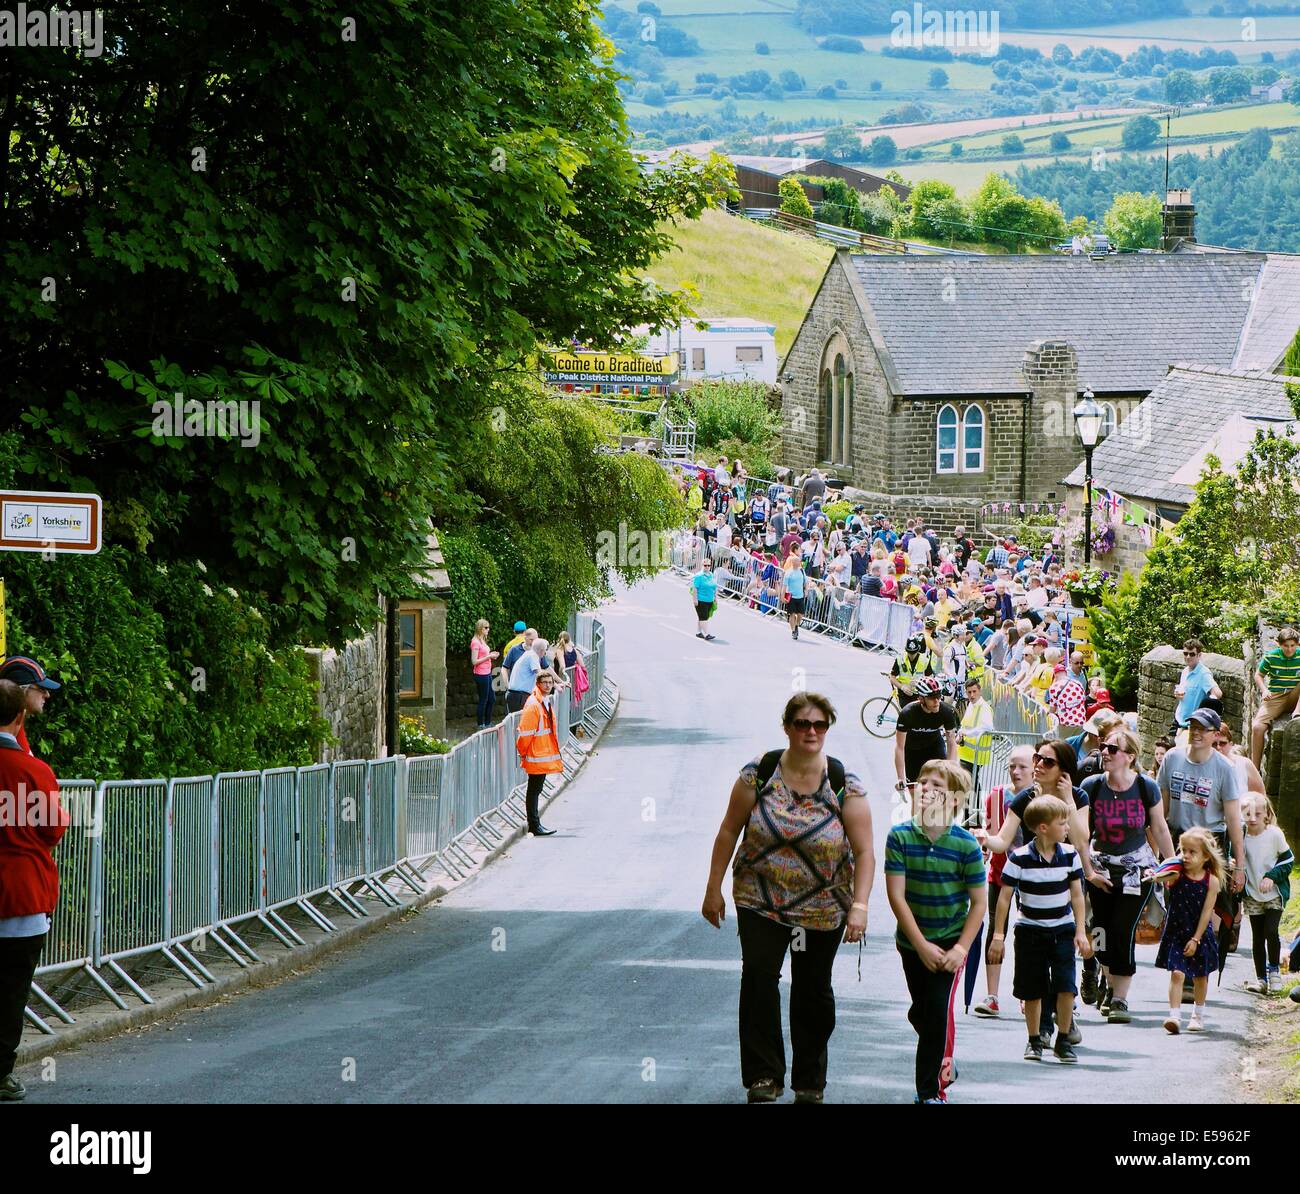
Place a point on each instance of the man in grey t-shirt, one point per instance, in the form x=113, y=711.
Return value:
x=1200, y=787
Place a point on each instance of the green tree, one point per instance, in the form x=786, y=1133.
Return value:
x=842, y=144
x=791, y=80
x=1228, y=84
x=1134, y=221
x=241, y=203
x=1140, y=132
x=793, y=198
x=924, y=195
x=1012, y=143
x=1058, y=142
x=938, y=79
x=1004, y=216
x=1182, y=87
x=882, y=151
x=1291, y=362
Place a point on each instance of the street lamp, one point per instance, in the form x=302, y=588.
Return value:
x=1088, y=417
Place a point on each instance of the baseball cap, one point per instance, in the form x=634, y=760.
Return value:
x=520, y=627
x=22, y=670
x=1099, y=719
x=1207, y=718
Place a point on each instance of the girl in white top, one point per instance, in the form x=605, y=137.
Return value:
x=1268, y=887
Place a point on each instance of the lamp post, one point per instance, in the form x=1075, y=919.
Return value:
x=1088, y=418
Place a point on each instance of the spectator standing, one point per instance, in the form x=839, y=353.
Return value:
x=1188, y=950
x=29, y=879
x=919, y=552
x=36, y=686
x=974, y=738
x=1195, y=683
x=1278, y=679
x=524, y=675
x=795, y=582
x=704, y=592
x=814, y=487
x=481, y=657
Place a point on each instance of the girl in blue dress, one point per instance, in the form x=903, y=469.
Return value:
x=1187, y=945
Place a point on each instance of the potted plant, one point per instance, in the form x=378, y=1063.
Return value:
x=1086, y=585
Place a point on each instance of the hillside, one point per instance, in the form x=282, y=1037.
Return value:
x=740, y=268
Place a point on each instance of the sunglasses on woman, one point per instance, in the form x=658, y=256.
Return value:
x=1111, y=748
x=803, y=725
x=1046, y=760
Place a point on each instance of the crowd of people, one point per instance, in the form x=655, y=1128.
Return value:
x=1064, y=866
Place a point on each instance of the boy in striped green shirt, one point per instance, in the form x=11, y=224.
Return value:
x=1278, y=679
x=934, y=875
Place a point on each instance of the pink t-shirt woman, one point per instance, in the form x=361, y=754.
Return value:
x=481, y=656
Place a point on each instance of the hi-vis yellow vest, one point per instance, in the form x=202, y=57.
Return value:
x=976, y=744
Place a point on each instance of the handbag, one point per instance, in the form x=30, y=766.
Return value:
x=1151, y=923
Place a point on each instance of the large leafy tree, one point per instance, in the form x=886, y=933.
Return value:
x=1134, y=221
x=360, y=215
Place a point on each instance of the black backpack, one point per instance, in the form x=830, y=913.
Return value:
x=767, y=766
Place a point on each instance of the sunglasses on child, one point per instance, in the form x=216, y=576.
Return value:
x=803, y=725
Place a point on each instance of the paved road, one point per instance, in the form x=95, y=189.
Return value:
x=578, y=968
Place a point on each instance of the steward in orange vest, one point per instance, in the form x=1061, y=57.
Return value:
x=538, y=745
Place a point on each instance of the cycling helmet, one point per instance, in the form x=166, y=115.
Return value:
x=915, y=645
x=925, y=686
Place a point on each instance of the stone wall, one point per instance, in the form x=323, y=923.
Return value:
x=1157, y=676
x=350, y=691
x=1282, y=777
x=943, y=514
x=1130, y=551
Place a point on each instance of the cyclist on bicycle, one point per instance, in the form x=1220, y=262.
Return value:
x=927, y=729
x=917, y=660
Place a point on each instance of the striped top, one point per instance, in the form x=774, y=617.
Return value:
x=1042, y=885
x=939, y=875
x=1283, y=673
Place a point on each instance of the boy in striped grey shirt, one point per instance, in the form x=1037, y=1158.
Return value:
x=1047, y=875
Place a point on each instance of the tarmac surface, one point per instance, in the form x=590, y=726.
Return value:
x=577, y=968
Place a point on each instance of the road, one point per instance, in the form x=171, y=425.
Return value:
x=578, y=969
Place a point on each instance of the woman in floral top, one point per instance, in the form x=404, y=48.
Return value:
x=800, y=881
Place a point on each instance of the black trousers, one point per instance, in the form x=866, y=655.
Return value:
x=928, y=1015
x=18, y=959
x=763, y=943
x=532, y=794
x=516, y=701
x=1116, y=914
x=1263, y=931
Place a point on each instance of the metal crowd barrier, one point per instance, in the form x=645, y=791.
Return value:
x=168, y=867
x=829, y=608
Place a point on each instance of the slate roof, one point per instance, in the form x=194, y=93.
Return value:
x=1126, y=315
x=1175, y=421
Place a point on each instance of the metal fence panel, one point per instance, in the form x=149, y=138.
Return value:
x=280, y=805
x=315, y=795
x=132, y=888
x=348, y=818
x=423, y=806
x=70, y=940
x=239, y=844
x=190, y=810
x=383, y=812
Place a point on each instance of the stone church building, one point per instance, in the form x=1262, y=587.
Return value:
x=935, y=385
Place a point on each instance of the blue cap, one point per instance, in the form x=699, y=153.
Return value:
x=520, y=627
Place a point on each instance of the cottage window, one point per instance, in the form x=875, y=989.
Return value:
x=697, y=360
x=946, y=441
x=749, y=355
x=1109, y=419
x=409, y=651
x=972, y=440
x=835, y=436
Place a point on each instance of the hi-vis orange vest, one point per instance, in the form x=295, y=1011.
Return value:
x=537, y=744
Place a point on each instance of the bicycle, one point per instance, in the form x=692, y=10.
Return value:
x=879, y=715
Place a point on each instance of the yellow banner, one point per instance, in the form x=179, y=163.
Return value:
x=611, y=363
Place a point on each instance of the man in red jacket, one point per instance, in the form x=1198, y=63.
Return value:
x=31, y=823
x=36, y=686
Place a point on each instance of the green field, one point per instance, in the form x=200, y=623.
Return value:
x=744, y=269
x=1107, y=131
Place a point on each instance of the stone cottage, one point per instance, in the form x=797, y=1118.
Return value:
x=937, y=384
